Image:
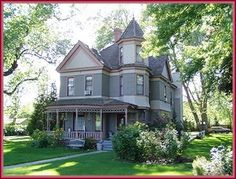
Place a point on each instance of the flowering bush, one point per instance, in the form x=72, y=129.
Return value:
x=221, y=163
x=15, y=129
x=138, y=143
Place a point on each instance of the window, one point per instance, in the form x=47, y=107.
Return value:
x=80, y=122
x=98, y=122
x=140, y=84
x=121, y=55
x=88, y=83
x=70, y=86
x=171, y=98
x=138, y=57
x=165, y=96
x=121, y=86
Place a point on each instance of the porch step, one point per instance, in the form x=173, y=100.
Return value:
x=107, y=145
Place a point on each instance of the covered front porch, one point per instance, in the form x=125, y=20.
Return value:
x=97, y=120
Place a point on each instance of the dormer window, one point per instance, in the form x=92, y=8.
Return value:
x=121, y=55
x=70, y=86
x=138, y=57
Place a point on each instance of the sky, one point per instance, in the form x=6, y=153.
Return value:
x=81, y=26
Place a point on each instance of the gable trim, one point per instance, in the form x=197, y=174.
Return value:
x=71, y=54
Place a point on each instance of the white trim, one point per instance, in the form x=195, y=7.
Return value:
x=94, y=72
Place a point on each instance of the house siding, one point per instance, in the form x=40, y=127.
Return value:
x=105, y=85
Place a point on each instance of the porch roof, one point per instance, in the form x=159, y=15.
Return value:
x=86, y=104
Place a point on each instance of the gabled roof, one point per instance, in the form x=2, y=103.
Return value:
x=91, y=52
x=110, y=56
x=133, y=30
x=157, y=65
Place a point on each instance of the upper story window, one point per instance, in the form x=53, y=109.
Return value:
x=138, y=50
x=140, y=84
x=121, y=55
x=88, y=85
x=121, y=86
x=70, y=86
x=165, y=93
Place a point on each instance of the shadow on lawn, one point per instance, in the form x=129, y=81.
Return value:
x=103, y=164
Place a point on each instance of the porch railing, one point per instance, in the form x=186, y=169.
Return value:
x=83, y=135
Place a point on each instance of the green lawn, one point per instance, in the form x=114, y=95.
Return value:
x=19, y=150
x=202, y=147
x=108, y=164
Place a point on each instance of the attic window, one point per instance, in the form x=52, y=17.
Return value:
x=121, y=55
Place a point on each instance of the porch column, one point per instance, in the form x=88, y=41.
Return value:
x=76, y=118
x=57, y=122
x=101, y=123
x=47, y=122
x=126, y=116
x=101, y=119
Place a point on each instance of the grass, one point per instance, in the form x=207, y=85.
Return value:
x=99, y=164
x=19, y=150
x=202, y=147
x=108, y=164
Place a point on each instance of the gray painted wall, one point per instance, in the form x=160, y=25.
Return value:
x=104, y=85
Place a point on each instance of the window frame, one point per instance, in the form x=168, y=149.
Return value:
x=86, y=85
x=121, y=55
x=138, y=54
x=73, y=86
x=139, y=84
x=165, y=93
x=121, y=78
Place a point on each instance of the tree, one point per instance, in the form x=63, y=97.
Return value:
x=116, y=19
x=198, y=38
x=38, y=117
x=27, y=39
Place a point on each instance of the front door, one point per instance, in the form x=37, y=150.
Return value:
x=120, y=120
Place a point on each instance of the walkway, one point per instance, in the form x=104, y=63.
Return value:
x=51, y=160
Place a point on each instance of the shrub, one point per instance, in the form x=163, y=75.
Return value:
x=149, y=145
x=90, y=143
x=125, y=142
x=15, y=129
x=56, y=137
x=138, y=143
x=221, y=163
x=41, y=139
x=170, y=143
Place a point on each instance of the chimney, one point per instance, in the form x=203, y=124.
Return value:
x=117, y=34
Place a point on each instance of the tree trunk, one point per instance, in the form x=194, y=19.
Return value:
x=193, y=110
